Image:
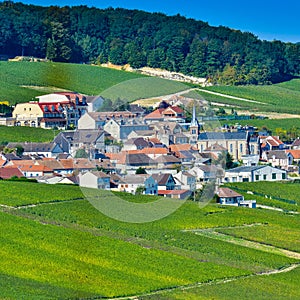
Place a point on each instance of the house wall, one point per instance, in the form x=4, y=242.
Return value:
x=86, y=122
x=103, y=183
x=88, y=180
x=26, y=113
x=236, y=148
x=113, y=128
x=268, y=174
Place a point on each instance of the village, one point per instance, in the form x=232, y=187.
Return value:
x=141, y=152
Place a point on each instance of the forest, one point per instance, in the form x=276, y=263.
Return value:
x=82, y=34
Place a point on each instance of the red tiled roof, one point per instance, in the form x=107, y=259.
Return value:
x=176, y=109
x=295, y=153
x=35, y=168
x=172, y=192
x=8, y=172
x=179, y=147
x=156, y=114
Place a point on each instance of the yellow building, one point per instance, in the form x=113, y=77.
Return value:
x=27, y=114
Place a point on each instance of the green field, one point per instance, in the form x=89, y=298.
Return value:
x=22, y=81
x=271, y=190
x=282, y=98
x=26, y=134
x=279, y=286
x=270, y=124
x=58, y=246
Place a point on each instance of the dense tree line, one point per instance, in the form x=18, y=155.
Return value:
x=120, y=36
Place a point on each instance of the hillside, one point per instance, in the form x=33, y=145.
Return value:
x=56, y=245
x=281, y=98
x=23, y=81
x=121, y=36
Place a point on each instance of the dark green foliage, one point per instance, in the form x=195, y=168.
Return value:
x=81, y=153
x=141, y=170
x=90, y=35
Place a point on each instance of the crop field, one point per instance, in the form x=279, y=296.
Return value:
x=24, y=193
x=270, y=124
x=282, y=98
x=58, y=246
x=22, y=81
x=280, y=286
x=273, y=190
x=26, y=134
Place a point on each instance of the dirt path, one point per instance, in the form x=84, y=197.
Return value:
x=231, y=97
x=277, y=209
x=215, y=282
x=212, y=233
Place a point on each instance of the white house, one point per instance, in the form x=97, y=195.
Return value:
x=227, y=196
x=95, y=179
x=254, y=173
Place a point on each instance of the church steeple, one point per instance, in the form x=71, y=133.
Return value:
x=194, y=121
x=194, y=126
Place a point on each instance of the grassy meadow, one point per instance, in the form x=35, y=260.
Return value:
x=22, y=81
x=59, y=246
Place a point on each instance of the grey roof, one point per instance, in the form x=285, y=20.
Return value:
x=87, y=136
x=91, y=99
x=135, y=179
x=162, y=179
x=223, y=136
x=139, y=142
x=138, y=159
x=296, y=142
x=34, y=147
x=167, y=159
x=245, y=169
x=277, y=154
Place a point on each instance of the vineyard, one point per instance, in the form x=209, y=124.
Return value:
x=271, y=193
x=26, y=134
x=91, y=80
x=282, y=98
x=57, y=245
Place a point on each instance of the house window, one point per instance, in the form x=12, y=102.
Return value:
x=256, y=177
x=273, y=175
x=245, y=179
x=283, y=176
x=265, y=177
x=231, y=148
x=241, y=148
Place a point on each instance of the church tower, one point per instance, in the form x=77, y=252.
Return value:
x=194, y=127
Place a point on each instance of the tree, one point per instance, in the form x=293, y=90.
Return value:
x=19, y=150
x=141, y=170
x=59, y=45
x=140, y=190
x=81, y=153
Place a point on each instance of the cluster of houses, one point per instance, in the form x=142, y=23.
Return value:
x=156, y=153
